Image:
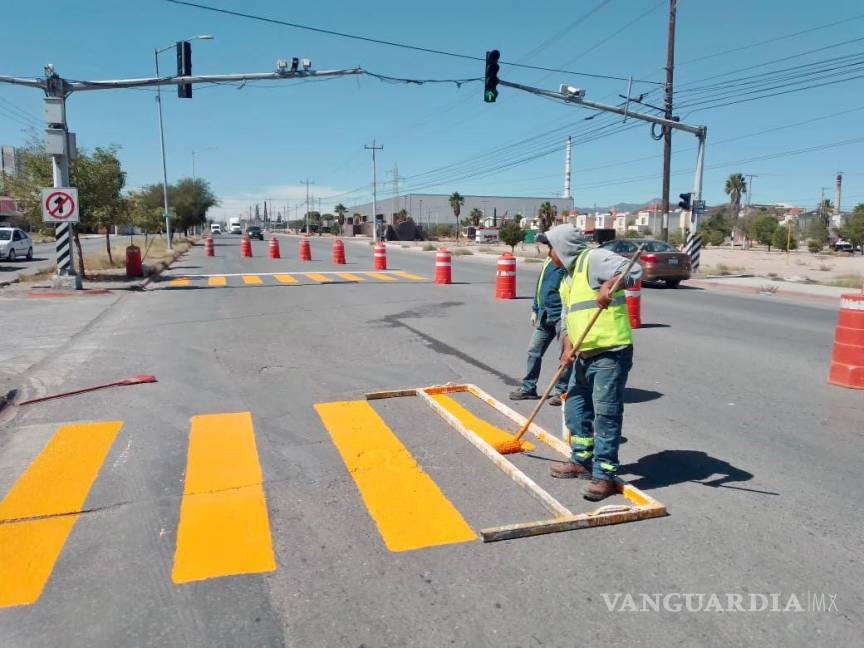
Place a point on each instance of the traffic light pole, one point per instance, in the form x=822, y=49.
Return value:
x=166, y=213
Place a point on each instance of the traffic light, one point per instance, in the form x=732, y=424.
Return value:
x=490, y=92
x=184, y=68
x=684, y=203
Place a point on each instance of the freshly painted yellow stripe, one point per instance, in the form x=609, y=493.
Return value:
x=285, y=279
x=37, y=515
x=349, y=277
x=252, y=280
x=217, y=281
x=379, y=276
x=489, y=433
x=314, y=276
x=408, y=275
x=409, y=509
x=181, y=281
x=224, y=526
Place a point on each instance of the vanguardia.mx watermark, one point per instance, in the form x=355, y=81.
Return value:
x=813, y=602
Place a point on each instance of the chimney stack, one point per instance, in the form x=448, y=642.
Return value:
x=837, y=187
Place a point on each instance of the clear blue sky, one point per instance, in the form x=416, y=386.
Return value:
x=272, y=135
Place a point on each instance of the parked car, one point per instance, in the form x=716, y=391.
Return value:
x=254, y=232
x=843, y=246
x=14, y=244
x=660, y=261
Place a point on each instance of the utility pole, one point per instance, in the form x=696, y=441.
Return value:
x=374, y=148
x=567, y=167
x=307, y=182
x=750, y=177
x=667, y=113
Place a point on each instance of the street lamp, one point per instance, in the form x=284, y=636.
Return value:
x=206, y=148
x=156, y=54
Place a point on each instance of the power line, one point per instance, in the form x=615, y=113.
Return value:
x=561, y=33
x=378, y=41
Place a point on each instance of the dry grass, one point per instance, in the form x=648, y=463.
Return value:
x=462, y=252
x=428, y=247
x=847, y=281
x=723, y=270
x=532, y=260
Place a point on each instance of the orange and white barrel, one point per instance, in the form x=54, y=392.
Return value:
x=633, y=297
x=505, y=277
x=338, y=252
x=380, y=261
x=847, y=360
x=443, y=266
x=305, y=250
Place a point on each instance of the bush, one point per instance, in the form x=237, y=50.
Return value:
x=781, y=237
x=461, y=252
x=675, y=239
x=632, y=234
x=814, y=246
x=428, y=247
x=511, y=234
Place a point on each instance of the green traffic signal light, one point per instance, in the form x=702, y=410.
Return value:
x=490, y=92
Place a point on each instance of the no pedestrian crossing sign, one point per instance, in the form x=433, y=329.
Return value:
x=60, y=205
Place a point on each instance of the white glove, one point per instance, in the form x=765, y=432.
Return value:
x=533, y=319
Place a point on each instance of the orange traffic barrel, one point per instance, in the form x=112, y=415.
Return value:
x=505, y=277
x=634, y=304
x=338, y=252
x=443, y=266
x=133, y=262
x=208, y=246
x=380, y=262
x=245, y=247
x=847, y=360
x=305, y=250
x=274, y=248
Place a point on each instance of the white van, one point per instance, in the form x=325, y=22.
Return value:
x=215, y=228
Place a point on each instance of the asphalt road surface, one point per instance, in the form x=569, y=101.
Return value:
x=220, y=507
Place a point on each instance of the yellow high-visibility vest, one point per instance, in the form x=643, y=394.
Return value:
x=579, y=300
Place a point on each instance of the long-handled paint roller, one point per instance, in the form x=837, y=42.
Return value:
x=514, y=445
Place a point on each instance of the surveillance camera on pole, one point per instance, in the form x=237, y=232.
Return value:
x=572, y=91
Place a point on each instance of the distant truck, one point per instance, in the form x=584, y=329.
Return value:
x=234, y=225
x=215, y=228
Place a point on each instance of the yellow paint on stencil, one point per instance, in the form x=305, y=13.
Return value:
x=46, y=501
x=409, y=509
x=217, y=281
x=379, y=276
x=180, y=281
x=408, y=275
x=224, y=526
x=252, y=280
x=314, y=276
x=349, y=277
x=486, y=431
x=285, y=279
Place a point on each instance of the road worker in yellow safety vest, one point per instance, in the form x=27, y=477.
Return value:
x=594, y=407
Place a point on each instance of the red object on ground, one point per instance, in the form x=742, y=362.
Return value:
x=305, y=250
x=274, y=248
x=208, y=246
x=505, y=277
x=338, y=252
x=847, y=361
x=380, y=262
x=634, y=305
x=133, y=262
x=136, y=380
x=245, y=247
x=443, y=266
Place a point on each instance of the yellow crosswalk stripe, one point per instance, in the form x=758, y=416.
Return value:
x=180, y=281
x=486, y=431
x=38, y=514
x=224, y=526
x=217, y=281
x=349, y=277
x=252, y=280
x=379, y=276
x=407, y=506
x=314, y=276
x=408, y=275
x=285, y=279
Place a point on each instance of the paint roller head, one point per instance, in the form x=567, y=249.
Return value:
x=510, y=447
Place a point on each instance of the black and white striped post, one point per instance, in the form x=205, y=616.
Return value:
x=57, y=144
x=693, y=248
x=693, y=245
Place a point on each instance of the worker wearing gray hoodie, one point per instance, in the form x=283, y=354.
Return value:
x=594, y=407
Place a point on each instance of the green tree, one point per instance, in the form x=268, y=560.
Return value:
x=99, y=178
x=546, y=213
x=715, y=228
x=475, y=216
x=511, y=233
x=191, y=199
x=736, y=186
x=146, y=208
x=761, y=229
x=780, y=237
x=853, y=231
x=340, y=211
x=456, y=201
x=817, y=235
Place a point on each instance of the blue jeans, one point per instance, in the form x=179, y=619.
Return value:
x=594, y=410
x=544, y=334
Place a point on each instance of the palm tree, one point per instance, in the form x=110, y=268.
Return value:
x=456, y=202
x=736, y=186
x=475, y=217
x=546, y=214
x=340, y=211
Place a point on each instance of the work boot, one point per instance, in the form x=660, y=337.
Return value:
x=519, y=394
x=555, y=401
x=569, y=470
x=599, y=489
